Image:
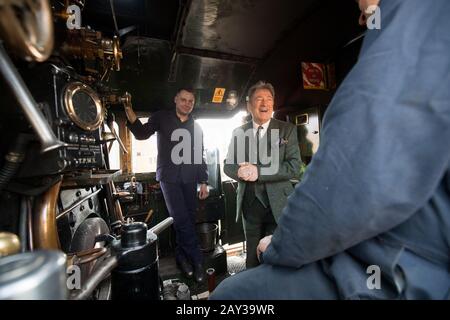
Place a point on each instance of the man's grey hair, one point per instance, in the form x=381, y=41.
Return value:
x=260, y=85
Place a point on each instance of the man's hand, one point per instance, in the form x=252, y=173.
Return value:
x=247, y=172
x=262, y=246
x=131, y=116
x=203, y=193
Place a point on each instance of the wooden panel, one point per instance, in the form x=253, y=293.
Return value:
x=126, y=165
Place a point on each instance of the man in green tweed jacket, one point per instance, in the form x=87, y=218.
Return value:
x=263, y=156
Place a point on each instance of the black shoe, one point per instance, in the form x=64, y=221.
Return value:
x=199, y=273
x=186, y=268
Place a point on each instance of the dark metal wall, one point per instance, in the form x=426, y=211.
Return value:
x=248, y=28
x=146, y=64
x=151, y=18
x=318, y=37
x=208, y=44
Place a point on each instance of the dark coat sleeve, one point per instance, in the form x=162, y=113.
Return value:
x=385, y=140
x=145, y=131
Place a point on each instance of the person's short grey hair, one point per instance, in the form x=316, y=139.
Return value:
x=260, y=85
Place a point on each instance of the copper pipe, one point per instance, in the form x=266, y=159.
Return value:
x=44, y=223
x=86, y=256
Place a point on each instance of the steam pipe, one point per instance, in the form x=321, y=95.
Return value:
x=161, y=226
x=104, y=269
x=27, y=103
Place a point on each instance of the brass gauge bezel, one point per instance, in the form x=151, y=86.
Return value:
x=71, y=89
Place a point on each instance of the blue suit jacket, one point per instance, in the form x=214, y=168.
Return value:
x=378, y=190
x=165, y=122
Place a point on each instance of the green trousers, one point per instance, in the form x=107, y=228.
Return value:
x=258, y=222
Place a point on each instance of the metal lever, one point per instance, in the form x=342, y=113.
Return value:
x=27, y=103
x=110, y=124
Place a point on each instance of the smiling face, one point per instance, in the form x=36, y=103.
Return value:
x=261, y=106
x=184, y=102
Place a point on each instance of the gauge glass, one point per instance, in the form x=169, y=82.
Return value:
x=84, y=107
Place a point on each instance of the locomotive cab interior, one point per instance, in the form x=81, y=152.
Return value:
x=78, y=194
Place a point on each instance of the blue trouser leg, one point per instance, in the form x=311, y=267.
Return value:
x=181, y=202
x=275, y=282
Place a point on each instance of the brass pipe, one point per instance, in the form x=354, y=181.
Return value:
x=149, y=215
x=114, y=203
x=45, y=231
x=118, y=209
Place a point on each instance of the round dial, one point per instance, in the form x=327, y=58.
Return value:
x=83, y=106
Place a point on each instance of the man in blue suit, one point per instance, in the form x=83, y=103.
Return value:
x=179, y=170
x=371, y=218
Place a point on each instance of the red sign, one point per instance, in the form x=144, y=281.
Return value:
x=313, y=75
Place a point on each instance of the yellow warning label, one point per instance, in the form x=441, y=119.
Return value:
x=218, y=95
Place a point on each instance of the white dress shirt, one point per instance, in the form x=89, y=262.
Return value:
x=263, y=130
